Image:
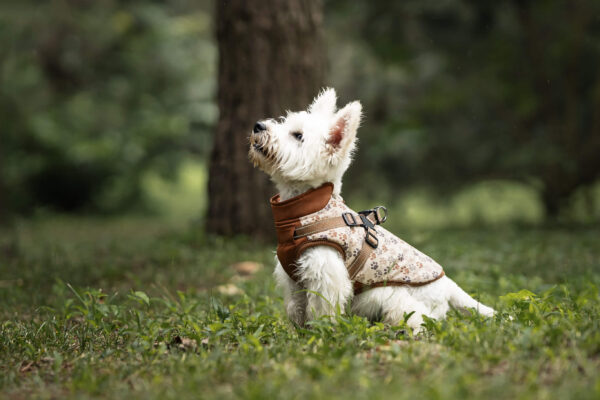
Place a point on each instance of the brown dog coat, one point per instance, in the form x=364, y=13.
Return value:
x=373, y=256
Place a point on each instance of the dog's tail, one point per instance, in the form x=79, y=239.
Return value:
x=460, y=299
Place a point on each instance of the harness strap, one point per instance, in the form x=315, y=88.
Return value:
x=366, y=219
x=327, y=224
x=360, y=260
x=319, y=226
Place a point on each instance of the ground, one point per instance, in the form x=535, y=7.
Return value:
x=134, y=307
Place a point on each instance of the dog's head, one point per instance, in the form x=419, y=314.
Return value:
x=307, y=148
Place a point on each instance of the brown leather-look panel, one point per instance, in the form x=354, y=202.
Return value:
x=287, y=218
x=307, y=203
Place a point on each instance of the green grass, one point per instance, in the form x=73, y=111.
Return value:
x=131, y=308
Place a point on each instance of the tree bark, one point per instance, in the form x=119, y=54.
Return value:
x=3, y=200
x=270, y=60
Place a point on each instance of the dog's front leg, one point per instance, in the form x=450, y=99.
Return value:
x=323, y=274
x=294, y=297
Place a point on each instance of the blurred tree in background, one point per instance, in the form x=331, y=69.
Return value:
x=95, y=93
x=270, y=60
x=470, y=90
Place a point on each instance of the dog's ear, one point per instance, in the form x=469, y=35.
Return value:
x=345, y=124
x=324, y=103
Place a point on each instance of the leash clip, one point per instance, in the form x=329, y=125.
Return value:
x=380, y=213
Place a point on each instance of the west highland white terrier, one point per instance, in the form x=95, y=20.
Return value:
x=328, y=254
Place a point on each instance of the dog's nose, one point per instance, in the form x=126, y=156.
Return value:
x=259, y=127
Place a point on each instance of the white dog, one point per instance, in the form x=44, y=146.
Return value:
x=327, y=253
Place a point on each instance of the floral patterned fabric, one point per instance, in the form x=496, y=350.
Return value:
x=393, y=261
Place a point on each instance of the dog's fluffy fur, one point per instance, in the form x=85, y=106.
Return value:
x=302, y=151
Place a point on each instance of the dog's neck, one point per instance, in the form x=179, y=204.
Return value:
x=287, y=191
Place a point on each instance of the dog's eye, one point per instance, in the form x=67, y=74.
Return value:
x=298, y=136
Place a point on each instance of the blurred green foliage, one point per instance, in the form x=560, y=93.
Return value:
x=95, y=93
x=458, y=91
x=98, y=96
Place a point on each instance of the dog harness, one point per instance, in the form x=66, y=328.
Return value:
x=373, y=256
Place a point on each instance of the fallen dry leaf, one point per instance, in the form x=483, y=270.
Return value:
x=183, y=343
x=26, y=366
x=247, y=268
x=229, y=289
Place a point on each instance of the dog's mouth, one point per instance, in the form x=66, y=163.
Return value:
x=258, y=145
x=259, y=148
x=260, y=153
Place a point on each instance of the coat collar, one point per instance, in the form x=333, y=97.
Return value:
x=307, y=203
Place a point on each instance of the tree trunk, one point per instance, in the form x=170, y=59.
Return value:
x=3, y=205
x=270, y=60
x=552, y=203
